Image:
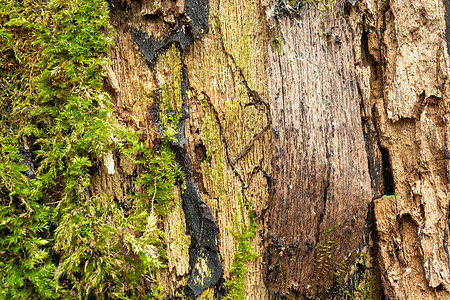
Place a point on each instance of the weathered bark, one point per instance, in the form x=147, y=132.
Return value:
x=327, y=127
x=406, y=44
x=226, y=150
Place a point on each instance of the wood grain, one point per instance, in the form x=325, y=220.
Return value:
x=320, y=169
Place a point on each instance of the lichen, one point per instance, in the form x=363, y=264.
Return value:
x=242, y=38
x=207, y=295
x=276, y=44
x=179, y=247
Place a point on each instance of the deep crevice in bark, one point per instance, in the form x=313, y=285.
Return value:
x=388, y=179
x=373, y=157
x=203, y=250
x=447, y=24
x=322, y=213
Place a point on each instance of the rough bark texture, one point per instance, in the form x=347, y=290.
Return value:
x=327, y=127
x=229, y=118
x=224, y=145
x=403, y=75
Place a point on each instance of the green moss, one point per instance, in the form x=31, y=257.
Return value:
x=322, y=264
x=245, y=229
x=170, y=67
x=51, y=56
x=342, y=268
x=276, y=44
x=366, y=289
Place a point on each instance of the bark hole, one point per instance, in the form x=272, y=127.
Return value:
x=365, y=53
x=151, y=17
x=200, y=152
x=388, y=179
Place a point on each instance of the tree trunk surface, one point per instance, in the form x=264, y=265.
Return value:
x=332, y=126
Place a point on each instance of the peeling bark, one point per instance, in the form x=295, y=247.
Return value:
x=407, y=44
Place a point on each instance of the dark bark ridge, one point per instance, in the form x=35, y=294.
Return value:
x=447, y=24
x=194, y=22
x=204, y=261
x=447, y=38
x=199, y=219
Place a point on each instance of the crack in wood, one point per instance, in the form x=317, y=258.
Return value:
x=255, y=101
x=230, y=161
x=250, y=146
x=251, y=93
x=255, y=171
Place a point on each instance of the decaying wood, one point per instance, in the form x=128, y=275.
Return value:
x=229, y=118
x=320, y=172
x=310, y=121
x=134, y=89
x=403, y=72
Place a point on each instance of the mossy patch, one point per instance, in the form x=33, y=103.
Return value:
x=57, y=129
x=245, y=229
x=276, y=44
x=169, y=70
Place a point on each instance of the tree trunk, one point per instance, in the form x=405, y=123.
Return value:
x=332, y=124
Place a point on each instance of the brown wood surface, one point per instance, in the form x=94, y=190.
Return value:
x=403, y=77
x=320, y=169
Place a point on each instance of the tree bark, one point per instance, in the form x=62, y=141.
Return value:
x=334, y=128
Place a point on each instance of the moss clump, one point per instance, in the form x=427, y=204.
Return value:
x=276, y=44
x=55, y=130
x=243, y=234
